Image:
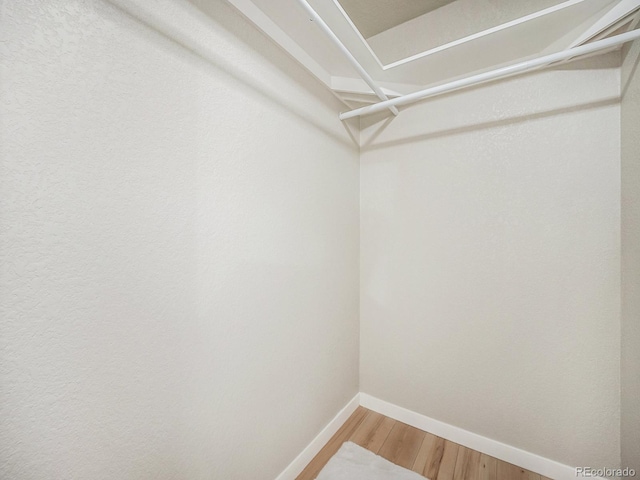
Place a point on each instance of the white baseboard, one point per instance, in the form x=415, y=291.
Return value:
x=530, y=461
x=521, y=458
x=311, y=450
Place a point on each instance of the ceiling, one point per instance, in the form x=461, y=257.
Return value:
x=375, y=16
x=414, y=54
x=458, y=19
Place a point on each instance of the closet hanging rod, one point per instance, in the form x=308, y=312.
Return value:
x=359, y=68
x=496, y=74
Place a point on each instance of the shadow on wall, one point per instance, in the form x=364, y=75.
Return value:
x=628, y=73
x=195, y=30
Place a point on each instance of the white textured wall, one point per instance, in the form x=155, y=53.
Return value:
x=630, y=420
x=490, y=261
x=179, y=265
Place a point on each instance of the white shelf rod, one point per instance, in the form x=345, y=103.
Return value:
x=499, y=73
x=359, y=68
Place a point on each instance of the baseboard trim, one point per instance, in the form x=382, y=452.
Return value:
x=521, y=458
x=530, y=461
x=311, y=450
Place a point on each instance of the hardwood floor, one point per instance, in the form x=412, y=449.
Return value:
x=422, y=452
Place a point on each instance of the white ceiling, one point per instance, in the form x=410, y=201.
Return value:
x=459, y=19
x=375, y=16
x=287, y=23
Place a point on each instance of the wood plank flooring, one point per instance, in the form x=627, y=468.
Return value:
x=422, y=452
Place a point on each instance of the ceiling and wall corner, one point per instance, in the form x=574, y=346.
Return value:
x=377, y=16
x=513, y=31
x=462, y=18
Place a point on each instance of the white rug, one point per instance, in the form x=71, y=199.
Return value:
x=353, y=462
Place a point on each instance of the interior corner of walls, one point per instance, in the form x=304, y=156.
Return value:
x=352, y=126
x=629, y=66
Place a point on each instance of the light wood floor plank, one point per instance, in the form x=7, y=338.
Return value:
x=448, y=463
x=504, y=471
x=467, y=464
x=528, y=475
x=423, y=454
x=402, y=445
x=373, y=431
x=409, y=447
x=507, y=471
x=488, y=467
x=342, y=435
x=429, y=457
x=515, y=472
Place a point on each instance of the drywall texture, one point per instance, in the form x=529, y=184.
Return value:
x=630, y=418
x=179, y=245
x=490, y=261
